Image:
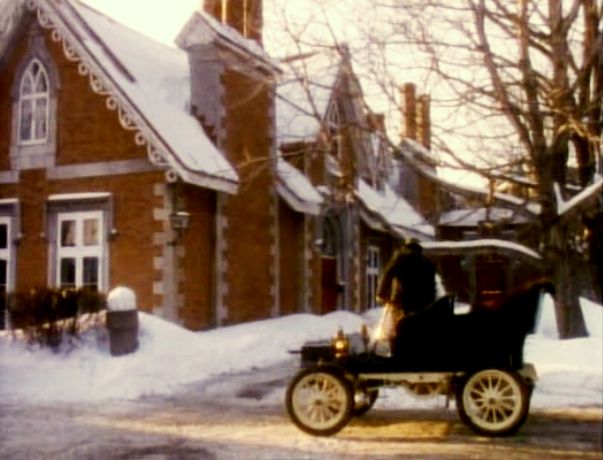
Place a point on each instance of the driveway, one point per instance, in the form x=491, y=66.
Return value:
x=242, y=416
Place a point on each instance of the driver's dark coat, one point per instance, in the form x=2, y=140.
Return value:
x=408, y=281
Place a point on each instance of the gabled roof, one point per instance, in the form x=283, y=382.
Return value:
x=147, y=83
x=202, y=28
x=303, y=95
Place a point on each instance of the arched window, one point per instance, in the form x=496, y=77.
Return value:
x=34, y=99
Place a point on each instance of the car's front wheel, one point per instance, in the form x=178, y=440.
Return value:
x=320, y=401
x=493, y=402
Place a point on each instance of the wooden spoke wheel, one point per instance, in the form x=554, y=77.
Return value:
x=493, y=402
x=320, y=401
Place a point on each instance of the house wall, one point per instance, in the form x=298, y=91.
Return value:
x=250, y=231
x=133, y=246
x=291, y=259
x=93, y=154
x=197, y=280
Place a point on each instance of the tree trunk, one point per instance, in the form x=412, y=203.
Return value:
x=565, y=271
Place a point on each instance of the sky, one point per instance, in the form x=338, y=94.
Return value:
x=150, y=17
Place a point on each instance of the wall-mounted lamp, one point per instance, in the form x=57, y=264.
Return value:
x=179, y=221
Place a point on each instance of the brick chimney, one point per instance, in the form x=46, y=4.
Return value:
x=424, y=121
x=409, y=111
x=376, y=121
x=245, y=16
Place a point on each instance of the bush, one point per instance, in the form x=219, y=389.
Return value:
x=49, y=317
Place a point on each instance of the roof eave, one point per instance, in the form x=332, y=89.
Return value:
x=298, y=204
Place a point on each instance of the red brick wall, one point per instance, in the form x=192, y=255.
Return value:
x=197, y=265
x=250, y=220
x=133, y=203
x=291, y=252
x=86, y=125
x=86, y=132
x=86, y=129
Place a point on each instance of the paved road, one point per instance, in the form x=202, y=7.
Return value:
x=242, y=416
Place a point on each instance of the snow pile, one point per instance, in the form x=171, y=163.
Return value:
x=121, y=299
x=168, y=356
x=570, y=371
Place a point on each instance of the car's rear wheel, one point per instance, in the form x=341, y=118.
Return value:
x=364, y=400
x=320, y=401
x=493, y=402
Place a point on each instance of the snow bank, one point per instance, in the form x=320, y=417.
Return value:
x=168, y=356
x=570, y=371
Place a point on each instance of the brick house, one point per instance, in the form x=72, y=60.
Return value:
x=325, y=130
x=196, y=175
x=126, y=162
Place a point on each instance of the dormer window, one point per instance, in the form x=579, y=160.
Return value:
x=34, y=99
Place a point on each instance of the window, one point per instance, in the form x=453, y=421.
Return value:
x=34, y=100
x=373, y=264
x=34, y=94
x=80, y=250
x=5, y=260
x=334, y=129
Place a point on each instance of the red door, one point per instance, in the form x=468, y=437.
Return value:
x=329, y=285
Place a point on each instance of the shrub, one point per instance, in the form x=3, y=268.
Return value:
x=49, y=317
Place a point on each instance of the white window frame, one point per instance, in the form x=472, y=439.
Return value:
x=80, y=251
x=35, y=153
x=34, y=98
x=373, y=266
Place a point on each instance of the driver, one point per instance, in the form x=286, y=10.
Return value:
x=408, y=284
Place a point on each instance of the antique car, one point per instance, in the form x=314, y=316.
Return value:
x=475, y=357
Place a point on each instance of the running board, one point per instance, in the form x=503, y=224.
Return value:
x=410, y=377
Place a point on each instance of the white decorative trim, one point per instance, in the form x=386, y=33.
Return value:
x=221, y=312
x=79, y=196
x=356, y=268
x=275, y=249
x=108, y=168
x=128, y=116
x=308, y=274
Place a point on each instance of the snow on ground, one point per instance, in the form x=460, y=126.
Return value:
x=570, y=371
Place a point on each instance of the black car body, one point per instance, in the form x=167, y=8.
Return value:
x=476, y=357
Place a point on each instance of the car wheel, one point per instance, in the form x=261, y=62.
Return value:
x=319, y=401
x=364, y=400
x=493, y=402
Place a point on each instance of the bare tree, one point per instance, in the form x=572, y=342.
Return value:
x=522, y=83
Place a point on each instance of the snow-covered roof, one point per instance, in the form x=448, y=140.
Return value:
x=394, y=210
x=473, y=216
x=412, y=150
x=411, y=147
x=303, y=95
x=296, y=189
x=485, y=244
x=202, y=28
x=148, y=83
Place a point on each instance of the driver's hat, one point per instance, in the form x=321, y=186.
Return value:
x=412, y=244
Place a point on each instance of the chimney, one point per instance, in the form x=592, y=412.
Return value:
x=376, y=122
x=245, y=16
x=409, y=111
x=424, y=120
